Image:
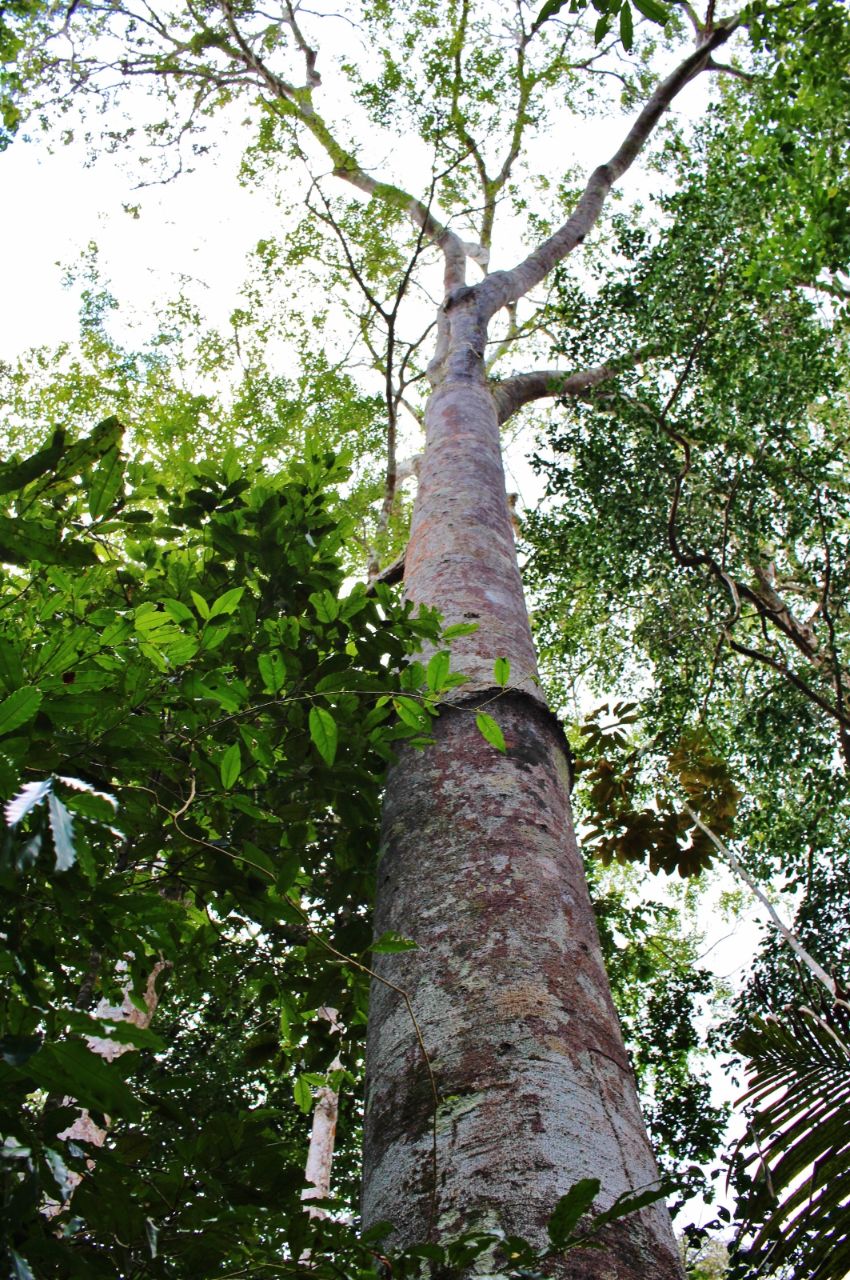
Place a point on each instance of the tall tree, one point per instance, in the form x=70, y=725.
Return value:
x=497, y=1075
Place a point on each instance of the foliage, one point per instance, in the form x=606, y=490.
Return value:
x=660, y=987
x=800, y=1079
x=164, y=656
x=693, y=554
x=699, y=507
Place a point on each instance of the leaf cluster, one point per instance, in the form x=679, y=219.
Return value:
x=195, y=716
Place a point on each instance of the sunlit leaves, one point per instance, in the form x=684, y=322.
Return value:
x=490, y=731
x=208, y=677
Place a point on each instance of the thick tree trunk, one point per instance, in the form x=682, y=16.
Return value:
x=480, y=867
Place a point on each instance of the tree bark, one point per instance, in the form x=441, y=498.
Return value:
x=480, y=868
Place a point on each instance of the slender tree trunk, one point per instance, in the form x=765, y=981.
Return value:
x=480, y=867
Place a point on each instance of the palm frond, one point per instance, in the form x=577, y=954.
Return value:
x=800, y=1132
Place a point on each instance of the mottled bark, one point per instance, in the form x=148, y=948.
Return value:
x=480, y=867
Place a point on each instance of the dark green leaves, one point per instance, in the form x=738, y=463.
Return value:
x=193, y=735
x=609, y=10
x=569, y=1209
x=18, y=708
x=324, y=733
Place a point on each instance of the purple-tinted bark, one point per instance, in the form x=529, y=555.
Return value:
x=480, y=868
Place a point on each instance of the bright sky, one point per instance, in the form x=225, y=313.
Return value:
x=200, y=226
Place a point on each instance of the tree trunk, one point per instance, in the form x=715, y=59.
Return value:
x=480, y=867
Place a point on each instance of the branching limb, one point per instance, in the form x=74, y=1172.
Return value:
x=512, y=393
x=503, y=287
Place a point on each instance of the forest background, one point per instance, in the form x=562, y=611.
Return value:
x=688, y=565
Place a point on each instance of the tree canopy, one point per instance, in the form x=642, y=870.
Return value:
x=198, y=705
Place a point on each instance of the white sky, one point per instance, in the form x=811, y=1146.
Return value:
x=202, y=225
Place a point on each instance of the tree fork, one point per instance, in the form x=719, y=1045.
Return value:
x=480, y=868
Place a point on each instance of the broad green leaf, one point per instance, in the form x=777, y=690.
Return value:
x=18, y=708
x=460, y=629
x=303, y=1094
x=30, y=795
x=61, y=1173
x=501, y=671
x=70, y=1069
x=413, y=676
x=16, y=1050
x=323, y=731
x=437, y=671
x=326, y=605
x=231, y=766
x=630, y=1202
x=550, y=9
x=21, y=1269
x=489, y=729
x=272, y=669
x=62, y=830
x=177, y=610
x=227, y=602
x=652, y=9
x=22, y=541
x=627, y=31
x=200, y=604
x=570, y=1209
x=411, y=713
x=105, y=484
x=11, y=668
x=17, y=475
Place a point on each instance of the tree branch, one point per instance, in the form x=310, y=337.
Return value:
x=503, y=287
x=779, y=924
x=512, y=393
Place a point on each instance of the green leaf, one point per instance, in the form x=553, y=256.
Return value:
x=460, y=629
x=62, y=830
x=22, y=541
x=303, y=1094
x=437, y=671
x=627, y=30
x=227, y=602
x=326, y=605
x=70, y=1069
x=390, y=943
x=21, y=1269
x=17, y=475
x=570, y=1209
x=501, y=671
x=201, y=605
x=30, y=795
x=272, y=669
x=411, y=713
x=488, y=729
x=652, y=9
x=231, y=766
x=549, y=10
x=18, y=708
x=105, y=483
x=323, y=731
x=16, y=1050
x=630, y=1202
